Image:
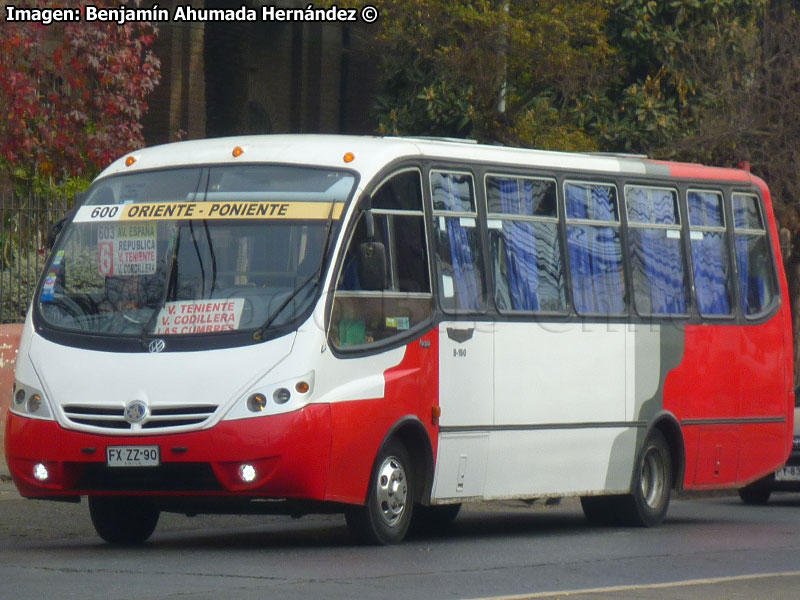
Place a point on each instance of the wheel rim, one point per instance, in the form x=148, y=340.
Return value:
x=653, y=478
x=392, y=490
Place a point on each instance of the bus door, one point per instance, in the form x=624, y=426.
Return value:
x=466, y=344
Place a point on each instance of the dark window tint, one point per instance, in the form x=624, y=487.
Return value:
x=521, y=196
x=757, y=285
x=705, y=209
x=452, y=192
x=401, y=192
x=746, y=213
x=596, y=202
x=364, y=311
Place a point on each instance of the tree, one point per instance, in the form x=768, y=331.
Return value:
x=499, y=71
x=680, y=57
x=73, y=95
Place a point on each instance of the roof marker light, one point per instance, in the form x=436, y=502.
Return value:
x=130, y=160
x=237, y=152
x=349, y=157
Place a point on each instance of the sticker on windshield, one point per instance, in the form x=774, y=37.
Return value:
x=199, y=316
x=127, y=249
x=159, y=211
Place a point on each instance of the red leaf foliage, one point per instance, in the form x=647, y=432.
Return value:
x=73, y=94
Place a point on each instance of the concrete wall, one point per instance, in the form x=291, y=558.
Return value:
x=9, y=345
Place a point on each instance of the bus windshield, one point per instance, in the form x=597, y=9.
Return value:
x=193, y=251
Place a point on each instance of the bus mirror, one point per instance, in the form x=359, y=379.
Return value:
x=372, y=266
x=369, y=224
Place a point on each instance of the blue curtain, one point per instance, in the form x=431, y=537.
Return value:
x=658, y=260
x=711, y=274
x=709, y=258
x=595, y=253
x=520, y=245
x=465, y=282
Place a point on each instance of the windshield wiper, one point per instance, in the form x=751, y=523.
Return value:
x=261, y=331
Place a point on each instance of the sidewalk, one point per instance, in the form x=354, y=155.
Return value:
x=9, y=346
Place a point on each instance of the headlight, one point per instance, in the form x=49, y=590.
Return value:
x=274, y=398
x=30, y=402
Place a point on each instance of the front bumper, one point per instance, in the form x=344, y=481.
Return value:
x=290, y=452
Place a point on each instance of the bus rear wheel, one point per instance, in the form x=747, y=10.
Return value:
x=386, y=516
x=126, y=521
x=647, y=505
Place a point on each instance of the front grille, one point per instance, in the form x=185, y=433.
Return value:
x=113, y=417
x=167, y=477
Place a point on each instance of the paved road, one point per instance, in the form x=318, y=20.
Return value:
x=708, y=548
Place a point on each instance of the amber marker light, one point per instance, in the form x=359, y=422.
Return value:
x=436, y=412
x=302, y=387
x=349, y=157
x=129, y=161
x=237, y=152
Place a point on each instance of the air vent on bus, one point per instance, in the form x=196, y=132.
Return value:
x=113, y=417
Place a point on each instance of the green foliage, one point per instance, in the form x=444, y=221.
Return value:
x=499, y=72
x=676, y=54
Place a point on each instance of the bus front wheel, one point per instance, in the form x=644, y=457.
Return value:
x=122, y=520
x=385, y=517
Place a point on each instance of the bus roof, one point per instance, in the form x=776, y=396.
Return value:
x=371, y=154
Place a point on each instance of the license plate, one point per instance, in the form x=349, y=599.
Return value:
x=132, y=456
x=788, y=474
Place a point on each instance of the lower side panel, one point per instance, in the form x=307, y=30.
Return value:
x=732, y=455
x=546, y=462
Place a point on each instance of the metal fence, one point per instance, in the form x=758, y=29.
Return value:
x=24, y=224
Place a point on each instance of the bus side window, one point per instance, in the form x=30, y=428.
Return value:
x=654, y=229
x=757, y=285
x=595, y=251
x=361, y=316
x=710, y=265
x=524, y=245
x=458, y=253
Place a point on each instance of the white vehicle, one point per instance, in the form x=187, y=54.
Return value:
x=392, y=327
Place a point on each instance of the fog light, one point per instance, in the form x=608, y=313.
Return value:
x=281, y=396
x=40, y=472
x=34, y=402
x=257, y=402
x=247, y=473
x=19, y=397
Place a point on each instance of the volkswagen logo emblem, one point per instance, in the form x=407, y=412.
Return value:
x=156, y=345
x=135, y=411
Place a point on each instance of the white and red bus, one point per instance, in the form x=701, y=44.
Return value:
x=390, y=327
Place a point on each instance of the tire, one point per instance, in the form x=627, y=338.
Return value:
x=601, y=510
x=433, y=519
x=646, y=505
x=126, y=521
x=756, y=493
x=386, y=516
